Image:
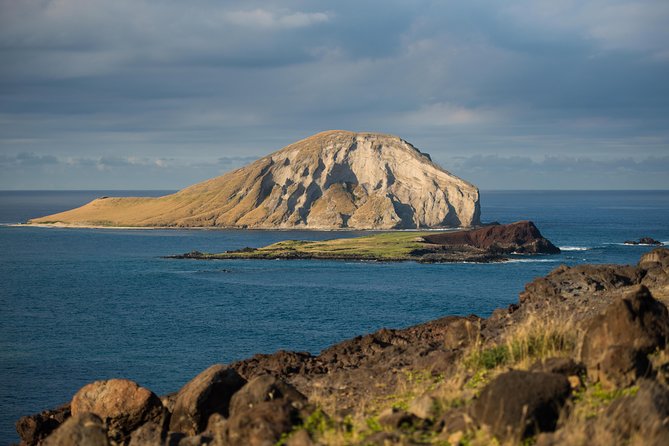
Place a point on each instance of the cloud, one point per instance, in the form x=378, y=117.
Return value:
x=27, y=159
x=134, y=84
x=263, y=18
x=557, y=164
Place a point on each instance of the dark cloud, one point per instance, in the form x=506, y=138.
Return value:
x=119, y=86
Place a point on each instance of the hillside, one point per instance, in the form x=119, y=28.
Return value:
x=332, y=180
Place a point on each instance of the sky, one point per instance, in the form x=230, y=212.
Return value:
x=515, y=94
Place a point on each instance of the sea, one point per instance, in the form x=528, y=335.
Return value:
x=78, y=305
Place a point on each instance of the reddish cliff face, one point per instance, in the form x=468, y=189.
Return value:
x=521, y=237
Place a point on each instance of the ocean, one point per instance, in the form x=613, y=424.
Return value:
x=78, y=305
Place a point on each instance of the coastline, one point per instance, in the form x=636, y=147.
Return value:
x=443, y=380
x=221, y=228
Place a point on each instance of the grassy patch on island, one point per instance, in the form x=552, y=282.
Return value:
x=386, y=246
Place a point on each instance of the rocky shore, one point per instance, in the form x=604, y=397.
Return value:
x=581, y=359
x=491, y=243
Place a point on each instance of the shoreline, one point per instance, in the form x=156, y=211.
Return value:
x=446, y=380
x=217, y=228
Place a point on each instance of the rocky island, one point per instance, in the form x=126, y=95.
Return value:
x=580, y=359
x=492, y=243
x=331, y=180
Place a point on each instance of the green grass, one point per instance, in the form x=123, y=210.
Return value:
x=385, y=246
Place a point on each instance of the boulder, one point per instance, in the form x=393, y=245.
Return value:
x=263, y=425
x=207, y=393
x=518, y=404
x=149, y=434
x=645, y=413
x=264, y=388
x=425, y=406
x=120, y=403
x=563, y=366
x=616, y=341
x=34, y=428
x=395, y=418
x=84, y=429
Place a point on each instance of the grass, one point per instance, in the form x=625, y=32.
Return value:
x=391, y=246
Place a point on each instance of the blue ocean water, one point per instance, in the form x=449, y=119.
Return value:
x=84, y=304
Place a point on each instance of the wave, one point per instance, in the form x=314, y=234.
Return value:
x=575, y=248
x=531, y=261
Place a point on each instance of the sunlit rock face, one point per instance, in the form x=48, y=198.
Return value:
x=332, y=180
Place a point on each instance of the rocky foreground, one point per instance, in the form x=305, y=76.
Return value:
x=331, y=180
x=581, y=359
x=491, y=243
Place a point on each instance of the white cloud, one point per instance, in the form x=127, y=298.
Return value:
x=263, y=18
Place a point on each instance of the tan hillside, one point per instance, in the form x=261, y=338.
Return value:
x=331, y=180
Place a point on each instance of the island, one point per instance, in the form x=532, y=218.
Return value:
x=491, y=243
x=334, y=180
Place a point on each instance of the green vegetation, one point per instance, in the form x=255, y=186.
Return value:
x=391, y=246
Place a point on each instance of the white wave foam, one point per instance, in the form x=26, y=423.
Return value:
x=531, y=261
x=574, y=248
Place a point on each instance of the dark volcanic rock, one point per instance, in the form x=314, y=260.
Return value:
x=616, y=341
x=120, y=403
x=521, y=237
x=262, y=425
x=281, y=363
x=563, y=366
x=34, y=428
x=645, y=413
x=207, y=393
x=264, y=388
x=149, y=434
x=644, y=241
x=517, y=404
x=85, y=429
x=398, y=419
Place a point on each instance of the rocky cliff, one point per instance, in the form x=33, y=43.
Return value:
x=331, y=180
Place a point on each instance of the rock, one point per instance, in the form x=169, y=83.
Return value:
x=646, y=413
x=616, y=341
x=462, y=332
x=281, y=363
x=518, y=404
x=454, y=421
x=424, y=406
x=300, y=438
x=621, y=366
x=149, y=434
x=262, y=425
x=520, y=237
x=264, y=388
x=195, y=440
x=207, y=393
x=398, y=419
x=563, y=366
x=120, y=403
x=83, y=429
x=647, y=241
x=34, y=428
x=331, y=180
